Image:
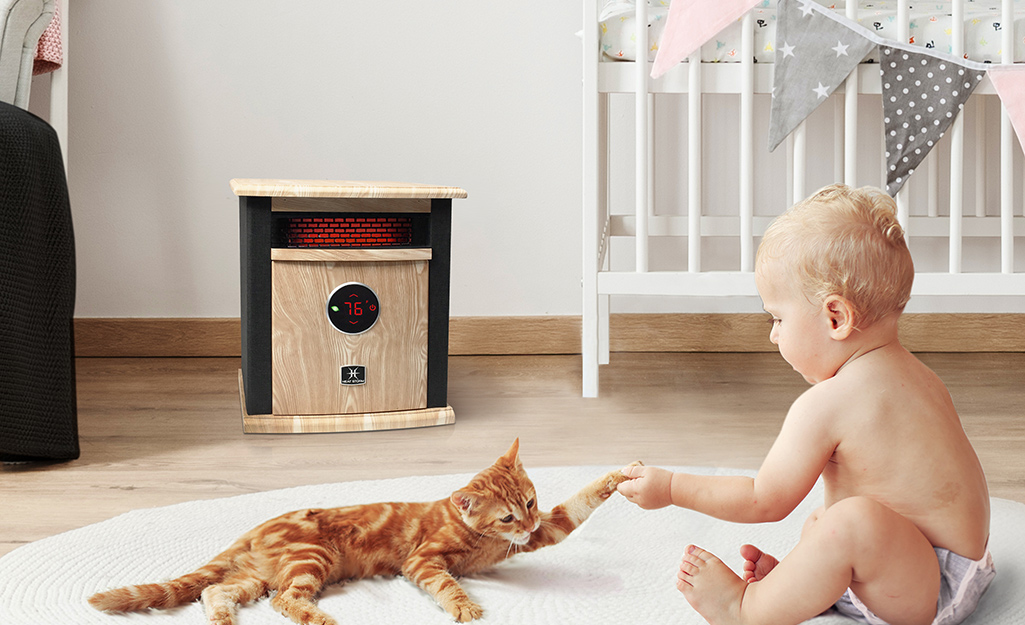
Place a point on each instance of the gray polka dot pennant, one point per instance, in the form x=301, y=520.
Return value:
x=922, y=94
x=814, y=54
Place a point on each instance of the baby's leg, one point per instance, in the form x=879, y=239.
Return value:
x=856, y=543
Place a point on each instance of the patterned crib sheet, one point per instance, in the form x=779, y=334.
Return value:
x=930, y=25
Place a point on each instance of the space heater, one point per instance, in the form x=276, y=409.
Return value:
x=345, y=298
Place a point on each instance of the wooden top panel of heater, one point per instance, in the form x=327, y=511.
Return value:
x=340, y=189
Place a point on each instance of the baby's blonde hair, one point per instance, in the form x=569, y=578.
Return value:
x=846, y=242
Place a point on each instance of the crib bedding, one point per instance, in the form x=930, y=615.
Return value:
x=929, y=26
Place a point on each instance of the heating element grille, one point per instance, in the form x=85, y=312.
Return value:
x=362, y=231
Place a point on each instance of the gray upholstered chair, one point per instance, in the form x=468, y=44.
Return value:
x=21, y=24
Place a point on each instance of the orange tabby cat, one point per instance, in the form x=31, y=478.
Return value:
x=299, y=553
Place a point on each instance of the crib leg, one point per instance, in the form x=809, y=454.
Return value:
x=589, y=346
x=603, y=329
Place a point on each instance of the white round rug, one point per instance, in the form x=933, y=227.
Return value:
x=618, y=567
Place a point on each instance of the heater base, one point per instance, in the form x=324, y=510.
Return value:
x=313, y=424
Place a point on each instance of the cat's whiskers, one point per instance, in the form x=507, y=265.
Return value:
x=480, y=536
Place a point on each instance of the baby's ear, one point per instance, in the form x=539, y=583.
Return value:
x=463, y=500
x=842, y=316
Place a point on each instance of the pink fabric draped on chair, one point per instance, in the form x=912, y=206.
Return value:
x=50, y=51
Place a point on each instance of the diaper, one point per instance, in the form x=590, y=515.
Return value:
x=962, y=584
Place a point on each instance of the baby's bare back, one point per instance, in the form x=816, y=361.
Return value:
x=901, y=443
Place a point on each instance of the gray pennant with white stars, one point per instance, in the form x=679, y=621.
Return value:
x=922, y=94
x=814, y=54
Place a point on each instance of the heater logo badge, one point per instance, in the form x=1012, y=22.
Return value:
x=354, y=374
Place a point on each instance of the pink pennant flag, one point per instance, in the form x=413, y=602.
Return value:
x=690, y=24
x=1009, y=81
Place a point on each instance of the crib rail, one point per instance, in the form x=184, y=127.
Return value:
x=919, y=214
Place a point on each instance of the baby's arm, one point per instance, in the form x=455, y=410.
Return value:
x=797, y=458
x=726, y=497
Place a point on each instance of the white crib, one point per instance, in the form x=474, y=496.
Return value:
x=993, y=214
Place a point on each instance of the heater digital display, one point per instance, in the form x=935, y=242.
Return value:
x=353, y=308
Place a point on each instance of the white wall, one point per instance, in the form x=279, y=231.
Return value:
x=170, y=99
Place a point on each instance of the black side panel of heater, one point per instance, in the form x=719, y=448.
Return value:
x=437, y=313
x=255, y=235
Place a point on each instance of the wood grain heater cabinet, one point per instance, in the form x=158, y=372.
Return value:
x=345, y=301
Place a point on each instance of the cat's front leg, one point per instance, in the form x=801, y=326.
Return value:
x=567, y=516
x=430, y=574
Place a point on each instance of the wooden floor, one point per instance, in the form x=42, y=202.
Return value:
x=161, y=431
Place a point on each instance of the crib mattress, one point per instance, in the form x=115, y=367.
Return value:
x=929, y=26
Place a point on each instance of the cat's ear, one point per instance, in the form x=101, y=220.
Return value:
x=463, y=500
x=512, y=457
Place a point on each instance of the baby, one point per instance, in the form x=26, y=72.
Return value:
x=902, y=537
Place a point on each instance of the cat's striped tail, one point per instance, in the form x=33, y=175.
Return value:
x=178, y=591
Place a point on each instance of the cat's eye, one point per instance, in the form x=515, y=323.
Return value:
x=530, y=504
x=508, y=519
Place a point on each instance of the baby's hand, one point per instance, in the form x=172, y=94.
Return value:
x=648, y=487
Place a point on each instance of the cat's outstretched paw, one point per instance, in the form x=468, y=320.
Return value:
x=615, y=478
x=467, y=611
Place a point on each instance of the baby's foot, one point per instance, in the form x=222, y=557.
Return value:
x=710, y=587
x=757, y=563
